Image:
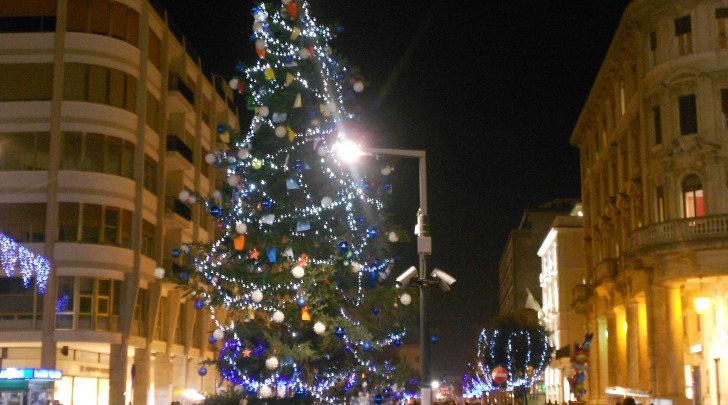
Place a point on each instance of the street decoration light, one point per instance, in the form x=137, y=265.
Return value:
x=349, y=151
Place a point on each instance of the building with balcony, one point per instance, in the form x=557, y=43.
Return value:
x=653, y=138
x=106, y=118
x=520, y=266
x=563, y=290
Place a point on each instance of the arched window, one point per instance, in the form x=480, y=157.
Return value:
x=692, y=194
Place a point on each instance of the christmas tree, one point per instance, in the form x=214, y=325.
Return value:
x=304, y=246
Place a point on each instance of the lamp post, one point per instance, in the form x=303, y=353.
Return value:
x=424, y=248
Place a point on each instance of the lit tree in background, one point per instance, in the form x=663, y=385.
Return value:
x=518, y=344
x=303, y=246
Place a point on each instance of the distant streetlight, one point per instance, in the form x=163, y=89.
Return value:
x=349, y=151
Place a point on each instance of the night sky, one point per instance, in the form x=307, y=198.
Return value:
x=491, y=90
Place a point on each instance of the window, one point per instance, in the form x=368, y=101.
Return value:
x=692, y=192
x=660, y=204
x=99, y=84
x=140, y=313
x=155, y=49
x=657, y=125
x=724, y=108
x=18, y=299
x=688, y=115
x=97, y=153
x=87, y=303
x=683, y=35
x=150, y=175
x=103, y=17
x=98, y=224
x=653, y=48
x=152, y=112
x=23, y=222
x=28, y=16
x=64, y=303
x=24, y=151
x=721, y=18
x=148, y=238
x=16, y=85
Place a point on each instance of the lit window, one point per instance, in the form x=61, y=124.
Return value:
x=683, y=35
x=692, y=191
x=721, y=18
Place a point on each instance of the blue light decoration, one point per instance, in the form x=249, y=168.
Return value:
x=15, y=256
x=434, y=339
x=343, y=247
x=221, y=129
x=266, y=203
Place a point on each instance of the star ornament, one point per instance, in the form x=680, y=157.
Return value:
x=254, y=254
x=246, y=352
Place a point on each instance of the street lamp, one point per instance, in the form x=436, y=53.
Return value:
x=349, y=151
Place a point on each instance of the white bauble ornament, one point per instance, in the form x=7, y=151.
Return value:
x=218, y=334
x=257, y=26
x=243, y=153
x=159, y=273
x=217, y=194
x=184, y=195
x=319, y=328
x=280, y=131
x=331, y=106
x=256, y=296
x=263, y=111
x=271, y=363
x=358, y=87
x=192, y=199
x=233, y=180
x=185, y=248
x=241, y=228
x=393, y=237
x=405, y=299
x=259, y=44
x=265, y=391
x=210, y=158
x=355, y=267
x=386, y=170
x=297, y=272
x=327, y=50
x=327, y=202
x=238, y=389
x=285, y=2
x=278, y=317
x=281, y=391
x=304, y=53
x=233, y=83
x=321, y=151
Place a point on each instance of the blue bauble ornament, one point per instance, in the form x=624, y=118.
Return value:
x=199, y=304
x=252, y=37
x=434, y=339
x=378, y=399
x=366, y=346
x=298, y=166
x=397, y=342
x=287, y=59
x=339, y=28
x=387, y=186
x=360, y=220
x=340, y=76
x=343, y=247
x=202, y=371
x=176, y=253
x=301, y=301
x=266, y=203
x=387, y=392
x=216, y=211
x=212, y=340
x=364, y=185
x=221, y=129
x=339, y=332
x=375, y=310
x=372, y=232
x=251, y=390
x=301, y=393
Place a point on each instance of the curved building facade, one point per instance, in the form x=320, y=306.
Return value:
x=106, y=116
x=653, y=138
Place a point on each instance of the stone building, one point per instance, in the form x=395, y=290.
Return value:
x=652, y=138
x=106, y=119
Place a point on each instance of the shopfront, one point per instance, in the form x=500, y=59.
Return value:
x=27, y=386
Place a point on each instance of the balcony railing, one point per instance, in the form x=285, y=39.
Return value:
x=682, y=231
x=175, y=83
x=178, y=207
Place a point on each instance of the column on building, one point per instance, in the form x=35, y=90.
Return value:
x=657, y=342
x=633, y=354
x=163, y=378
x=674, y=353
x=142, y=375
x=612, y=349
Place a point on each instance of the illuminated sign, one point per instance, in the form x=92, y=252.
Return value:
x=30, y=374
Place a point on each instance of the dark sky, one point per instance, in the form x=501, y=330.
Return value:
x=491, y=90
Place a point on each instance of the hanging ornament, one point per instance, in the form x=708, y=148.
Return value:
x=210, y=158
x=405, y=299
x=271, y=363
x=366, y=346
x=199, y=304
x=239, y=242
x=257, y=164
x=339, y=332
x=250, y=315
x=305, y=315
x=289, y=79
x=397, y=342
x=327, y=202
x=254, y=254
x=393, y=237
x=271, y=253
x=319, y=328
x=281, y=390
x=302, y=259
x=270, y=73
x=297, y=272
x=159, y=273
x=218, y=334
x=292, y=10
x=263, y=110
x=301, y=302
x=355, y=267
x=241, y=228
x=265, y=392
x=291, y=134
x=260, y=48
x=375, y=310
x=358, y=87
x=343, y=246
x=295, y=33
x=256, y=296
x=202, y=371
x=268, y=219
x=304, y=53
x=297, y=101
x=434, y=339
x=278, y=317
x=280, y=131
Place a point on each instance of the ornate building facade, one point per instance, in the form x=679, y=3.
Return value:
x=653, y=138
x=106, y=120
